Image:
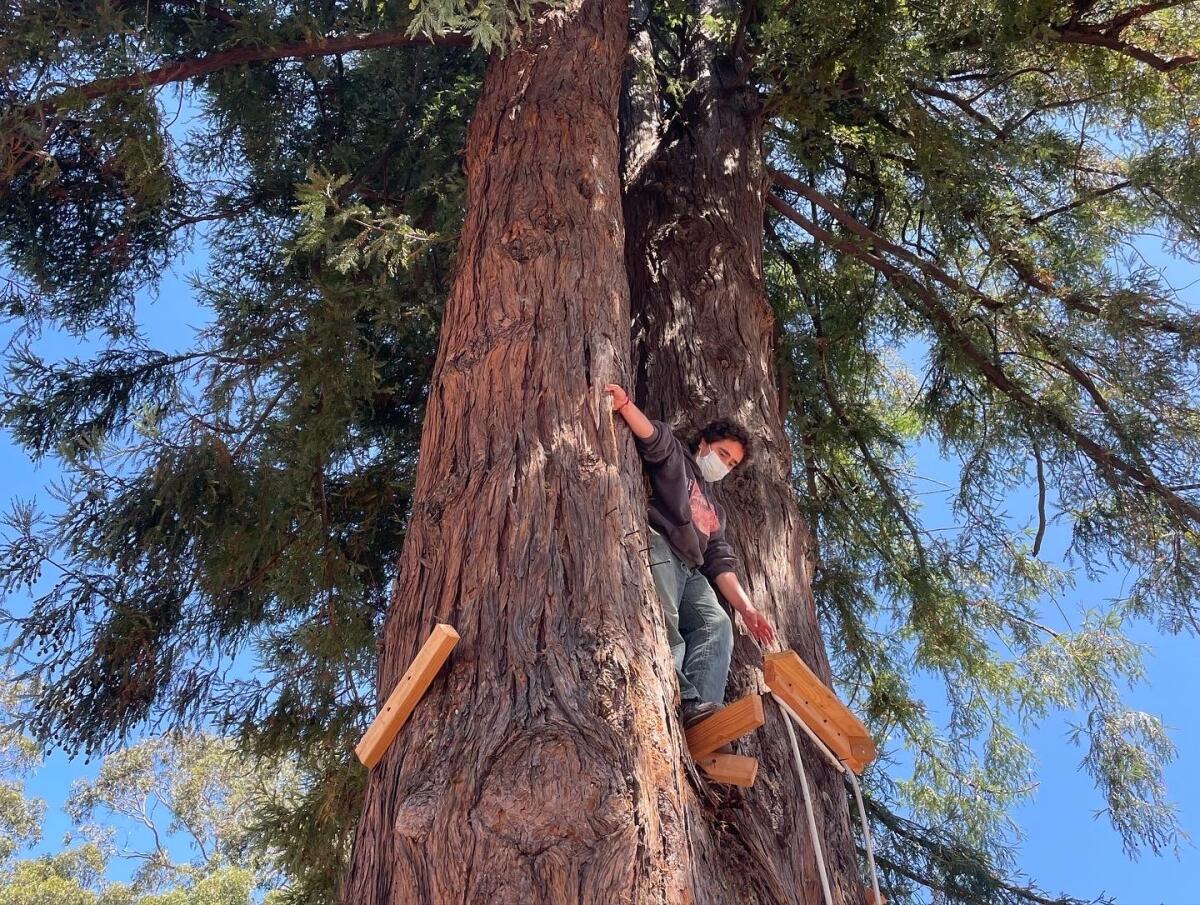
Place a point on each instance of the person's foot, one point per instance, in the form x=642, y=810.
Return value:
x=693, y=711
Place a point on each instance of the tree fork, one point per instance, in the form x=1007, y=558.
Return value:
x=705, y=347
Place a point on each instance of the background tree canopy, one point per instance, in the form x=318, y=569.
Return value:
x=181, y=795
x=957, y=192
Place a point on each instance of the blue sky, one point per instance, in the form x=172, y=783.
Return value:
x=1067, y=848
x=1069, y=845
x=169, y=320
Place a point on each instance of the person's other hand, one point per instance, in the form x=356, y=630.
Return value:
x=619, y=396
x=758, y=624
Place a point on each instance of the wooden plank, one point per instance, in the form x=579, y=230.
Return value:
x=728, y=723
x=732, y=769
x=407, y=693
x=798, y=686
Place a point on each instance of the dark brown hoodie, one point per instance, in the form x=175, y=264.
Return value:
x=681, y=505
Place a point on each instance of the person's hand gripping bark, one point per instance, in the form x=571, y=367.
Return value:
x=618, y=396
x=623, y=406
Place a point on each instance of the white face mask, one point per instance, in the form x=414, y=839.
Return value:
x=711, y=467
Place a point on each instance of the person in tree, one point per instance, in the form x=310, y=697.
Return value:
x=689, y=552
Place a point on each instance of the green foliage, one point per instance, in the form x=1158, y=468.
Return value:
x=62, y=879
x=355, y=237
x=73, y=877
x=305, y=830
x=20, y=816
x=148, y=803
x=968, y=286
x=245, y=495
x=489, y=23
x=196, y=786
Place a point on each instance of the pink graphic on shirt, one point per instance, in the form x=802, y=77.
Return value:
x=704, y=516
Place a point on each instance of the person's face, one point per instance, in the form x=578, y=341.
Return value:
x=730, y=451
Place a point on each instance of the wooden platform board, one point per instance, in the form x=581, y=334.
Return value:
x=790, y=679
x=404, y=698
x=733, y=769
x=727, y=724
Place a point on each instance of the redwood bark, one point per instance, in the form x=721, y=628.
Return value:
x=705, y=347
x=540, y=767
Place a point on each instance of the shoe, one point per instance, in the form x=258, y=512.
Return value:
x=693, y=711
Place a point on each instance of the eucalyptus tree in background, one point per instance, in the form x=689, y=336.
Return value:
x=174, y=810
x=961, y=184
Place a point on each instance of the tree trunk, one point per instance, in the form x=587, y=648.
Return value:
x=705, y=347
x=540, y=766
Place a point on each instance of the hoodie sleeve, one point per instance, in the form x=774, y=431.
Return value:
x=660, y=446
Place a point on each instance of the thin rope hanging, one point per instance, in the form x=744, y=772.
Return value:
x=843, y=768
x=808, y=808
x=862, y=816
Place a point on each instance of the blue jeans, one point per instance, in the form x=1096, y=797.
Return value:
x=698, y=628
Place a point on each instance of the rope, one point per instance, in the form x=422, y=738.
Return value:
x=842, y=768
x=813, y=737
x=808, y=809
x=862, y=816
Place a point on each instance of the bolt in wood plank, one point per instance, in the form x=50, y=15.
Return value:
x=732, y=769
x=406, y=695
x=728, y=723
x=796, y=685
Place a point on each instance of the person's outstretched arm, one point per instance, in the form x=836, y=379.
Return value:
x=731, y=588
x=621, y=403
x=720, y=565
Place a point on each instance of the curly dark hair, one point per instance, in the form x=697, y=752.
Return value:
x=724, y=429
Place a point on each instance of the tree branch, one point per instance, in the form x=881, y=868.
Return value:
x=944, y=321
x=878, y=241
x=1075, y=301
x=1120, y=45
x=1041, y=507
x=839, y=410
x=963, y=104
x=195, y=67
x=932, y=845
x=1064, y=363
x=1119, y=23
x=1017, y=121
x=1078, y=202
